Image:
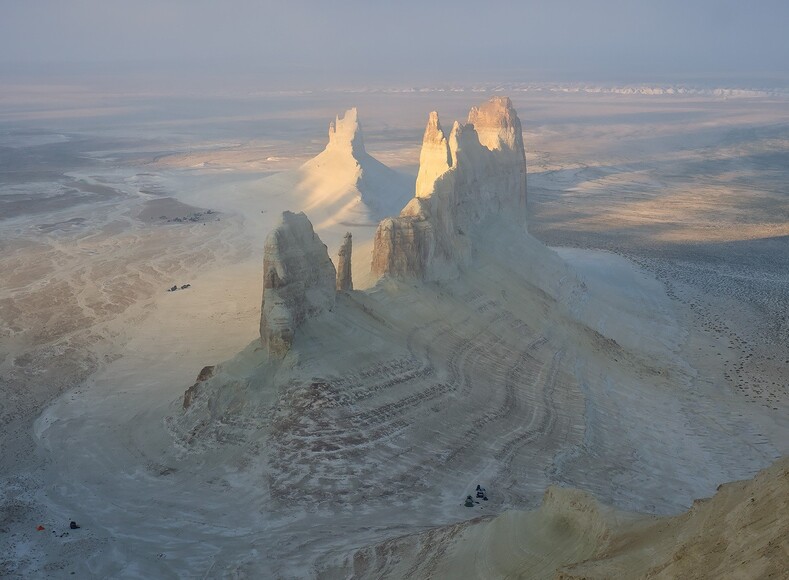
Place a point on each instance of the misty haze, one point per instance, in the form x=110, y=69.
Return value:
x=291, y=290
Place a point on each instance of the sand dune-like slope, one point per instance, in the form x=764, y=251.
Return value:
x=343, y=188
x=741, y=532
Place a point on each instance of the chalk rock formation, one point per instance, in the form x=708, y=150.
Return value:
x=344, y=279
x=434, y=159
x=344, y=183
x=478, y=171
x=345, y=134
x=298, y=281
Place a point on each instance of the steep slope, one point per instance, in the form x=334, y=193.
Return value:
x=741, y=532
x=344, y=184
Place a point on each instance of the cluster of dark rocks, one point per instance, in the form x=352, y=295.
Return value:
x=175, y=287
x=192, y=217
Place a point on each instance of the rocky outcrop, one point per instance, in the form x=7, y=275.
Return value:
x=403, y=247
x=298, y=281
x=345, y=133
x=434, y=159
x=344, y=278
x=192, y=391
x=344, y=184
x=478, y=171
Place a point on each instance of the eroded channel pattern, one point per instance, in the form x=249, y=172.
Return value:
x=495, y=403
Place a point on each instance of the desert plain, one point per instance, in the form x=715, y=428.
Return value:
x=632, y=345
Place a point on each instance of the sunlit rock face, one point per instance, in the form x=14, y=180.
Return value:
x=345, y=133
x=478, y=171
x=344, y=278
x=344, y=184
x=298, y=281
x=495, y=181
x=403, y=246
x=434, y=159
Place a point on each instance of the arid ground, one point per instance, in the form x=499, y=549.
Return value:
x=667, y=376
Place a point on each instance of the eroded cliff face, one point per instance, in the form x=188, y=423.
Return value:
x=298, y=281
x=479, y=170
x=434, y=158
x=345, y=133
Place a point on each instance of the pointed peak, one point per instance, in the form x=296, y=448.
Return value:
x=346, y=132
x=433, y=131
x=434, y=159
x=433, y=121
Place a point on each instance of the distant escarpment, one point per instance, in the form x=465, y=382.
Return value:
x=298, y=281
x=478, y=171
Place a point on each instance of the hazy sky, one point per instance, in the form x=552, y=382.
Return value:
x=406, y=39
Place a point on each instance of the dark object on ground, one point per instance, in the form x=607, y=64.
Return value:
x=173, y=289
x=185, y=286
x=40, y=528
x=74, y=526
x=469, y=502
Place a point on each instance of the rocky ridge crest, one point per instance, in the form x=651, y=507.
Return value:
x=478, y=171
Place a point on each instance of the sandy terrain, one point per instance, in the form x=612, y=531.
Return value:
x=740, y=532
x=395, y=370
x=592, y=373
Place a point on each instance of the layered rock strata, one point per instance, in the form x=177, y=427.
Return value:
x=344, y=278
x=298, y=281
x=478, y=171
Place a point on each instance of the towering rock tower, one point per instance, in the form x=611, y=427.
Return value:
x=478, y=171
x=344, y=280
x=346, y=133
x=345, y=184
x=298, y=281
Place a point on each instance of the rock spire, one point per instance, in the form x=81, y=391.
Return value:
x=346, y=132
x=344, y=279
x=478, y=171
x=298, y=281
